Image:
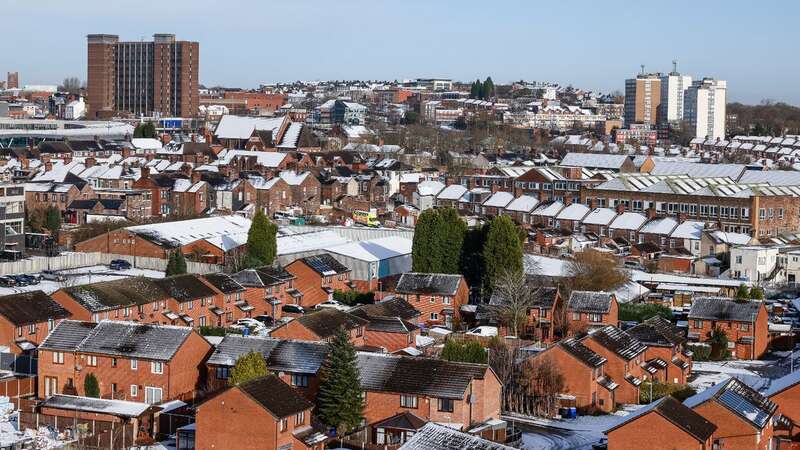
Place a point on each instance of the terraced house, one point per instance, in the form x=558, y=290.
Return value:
x=26, y=318
x=131, y=361
x=744, y=321
x=437, y=296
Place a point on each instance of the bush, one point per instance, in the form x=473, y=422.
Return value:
x=212, y=331
x=462, y=350
x=351, y=298
x=91, y=387
x=679, y=391
x=701, y=352
x=639, y=312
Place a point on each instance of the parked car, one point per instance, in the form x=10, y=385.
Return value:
x=20, y=280
x=293, y=309
x=484, y=331
x=7, y=281
x=52, y=275
x=119, y=264
x=332, y=304
x=265, y=319
x=30, y=278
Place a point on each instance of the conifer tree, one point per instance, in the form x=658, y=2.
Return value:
x=453, y=230
x=262, y=239
x=503, y=249
x=339, y=402
x=180, y=263
x=171, y=270
x=249, y=366
x=488, y=89
x=427, y=248
x=91, y=388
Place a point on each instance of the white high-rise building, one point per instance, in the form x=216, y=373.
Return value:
x=704, y=108
x=673, y=88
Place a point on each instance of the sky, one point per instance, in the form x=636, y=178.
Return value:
x=589, y=44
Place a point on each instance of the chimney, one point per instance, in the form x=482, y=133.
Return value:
x=651, y=213
x=145, y=172
x=67, y=159
x=89, y=162
x=48, y=165
x=620, y=208
x=126, y=152
x=567, y=200
x=196, y=177
x=495, y=188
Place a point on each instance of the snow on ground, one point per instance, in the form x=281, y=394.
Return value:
x=83, y=275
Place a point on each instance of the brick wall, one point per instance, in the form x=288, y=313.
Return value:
x=638, y=434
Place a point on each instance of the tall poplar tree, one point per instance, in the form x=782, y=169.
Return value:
x=453, y=230
x=262, y=239
x=427, y=248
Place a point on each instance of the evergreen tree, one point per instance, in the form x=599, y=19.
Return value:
x=472, y=263
x=426, y=250
x=488, y=89
x=503, y=249
x=52, y=219
x=453, y=231
x=756, y=293
x=743, y=292
x=91, y=387
x=171, y=270
x=339, y=402
x=249, y=366
x=474, y=90
x=481, y=89
x=262, y=239
x=145, y=130
x=176, y=264
x=464, y=351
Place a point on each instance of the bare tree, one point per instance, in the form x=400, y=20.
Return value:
x=593, y=271
x=512, y=298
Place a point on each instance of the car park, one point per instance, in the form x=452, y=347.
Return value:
x=7, y=281
x=20, y=280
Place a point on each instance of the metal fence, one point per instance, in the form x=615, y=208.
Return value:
x=66, y=261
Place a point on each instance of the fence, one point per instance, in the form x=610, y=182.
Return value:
x=85, y=433
x=66, y=261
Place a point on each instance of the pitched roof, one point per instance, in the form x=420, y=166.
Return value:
x=721, y=308
x=391, y=307
x=106, y=295
x=583, y=353
x=119, y=408
x=117, y=338
x=679, y=414
x=590, y=301
x=428, y=283
x=224, y=283
x=439, y=437
x=275, y=396
x=423, y=376
x=262, y=276
x=325, y=264
x=281, y=354
x=185, y=287
x=594, y=160
x=618, y=341
x=657, y=331
x=326, y=321
x=740, y=399
x=389, y=325
x=402, y=421
x=26, y=308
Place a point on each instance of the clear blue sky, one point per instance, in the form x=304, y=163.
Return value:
x=590, y=44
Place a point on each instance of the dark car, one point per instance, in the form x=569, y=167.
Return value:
x=119, y=264
x=265, y=319
x=293, y=309
x=21, y=280
x=7, y=281
x=30, y=279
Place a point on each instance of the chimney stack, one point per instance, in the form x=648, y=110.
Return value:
x=89, y=162
x=620, y=208
x=145, y=172
x=651, y=213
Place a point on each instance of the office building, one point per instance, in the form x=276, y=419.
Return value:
x=704, y=108
x=642, y=99
x=154, y=78
x=12, y=82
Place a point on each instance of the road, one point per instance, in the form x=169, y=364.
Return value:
x=537, y=437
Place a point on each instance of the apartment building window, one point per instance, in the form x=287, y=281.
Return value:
x=299, y=380
x=762, y=213
x=408, y=401
x=190, y=305
x=433, y=299
x=91, y=361
x=770, y=213
x=745, y=213
x=127, y=311
x=299, y=418
x=156, y=367
x=134, y=364
x=446, y=404
x=134, y=390
x=738, y=259
x=672, y=243
x=58, y=357
x=19, y=331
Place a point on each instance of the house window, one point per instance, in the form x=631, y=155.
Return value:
x=190, y=305
x=134, y=390
x=447, y=300
x=223, y=372
x=738, y=259
x=58, y=357
x=595, y=317
x=299, y=418
x=284, y=424
x=50, y=324
x=408, y=401
x=744, y=326
x=576, y=316
x=32, y=328
x=434, y=316
x=698, y=324
x=446, y=404
x=157, y=367
x=433, y=299
x=299, y=380
x=113, y=389
x=113, y=362
x=19, y=331
x=91, y=361
x=134, y=364
x=152, y=395
x=202, y=321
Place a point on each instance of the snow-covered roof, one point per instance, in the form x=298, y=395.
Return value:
x=732, y=238
x=600, y=216
x=266, y=159
x=238, y=127
x=187, y=231
x=523, y=203
x=293, y=178
x=575, y=211
x=499, y=199
x=628, y=221
x=689, y=229
x=146, y=143
x=550, y=209
x=429, y=187
x=660, y=226
x=452, y=192
x=374, y=249
x=302, y=242
x=594, y=160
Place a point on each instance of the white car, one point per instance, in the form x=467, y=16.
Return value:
x=484, y=331
x=333, y=304
x=250, y=323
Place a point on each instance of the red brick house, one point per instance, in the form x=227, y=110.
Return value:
x=677, y=425
x=131, y=361
x=266, y=288
x=666, y=357
x=317, y=277
x=589, y=309
x=322, y=325
x=785, y=392
x=743, y=416
x=272, y=194
x=26, y=318
x=139, y=299
x=460, y=394
x=584, y=375
x=391, y=324
x=263, y=413
x=437, y=296
x=624, y=356
x=744, y=321
x=306, y=190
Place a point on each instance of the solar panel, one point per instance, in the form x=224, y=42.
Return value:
x=738, y=403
